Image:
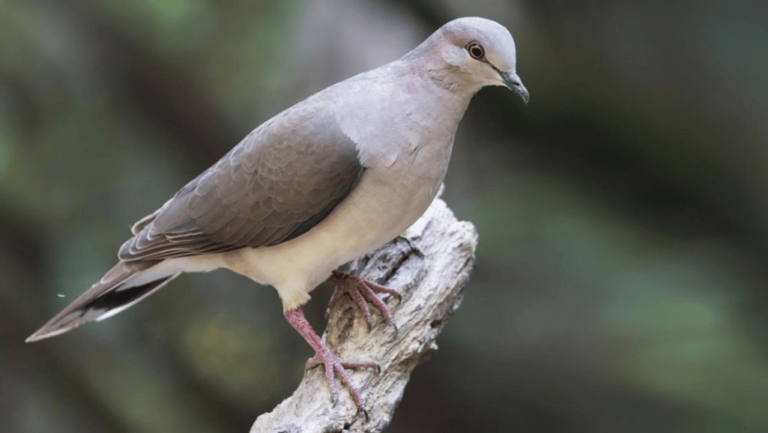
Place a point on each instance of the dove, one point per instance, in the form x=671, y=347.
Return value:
x=327, y=180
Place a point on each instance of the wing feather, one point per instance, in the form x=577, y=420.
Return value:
x=279, y=182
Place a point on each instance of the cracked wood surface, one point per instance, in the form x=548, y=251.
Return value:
x=429, y=265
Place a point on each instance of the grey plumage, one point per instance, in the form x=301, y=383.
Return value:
x=102, y=298
x=254, y=196
x=321, y=183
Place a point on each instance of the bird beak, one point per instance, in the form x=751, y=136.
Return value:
x=514, y=83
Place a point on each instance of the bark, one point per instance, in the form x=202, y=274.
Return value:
x=429, y=265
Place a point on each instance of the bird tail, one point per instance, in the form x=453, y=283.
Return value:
x=121, y=287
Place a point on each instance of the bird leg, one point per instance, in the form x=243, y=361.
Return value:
x=359, y=292
x=334, y=366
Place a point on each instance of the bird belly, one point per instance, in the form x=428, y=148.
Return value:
x=376, y=212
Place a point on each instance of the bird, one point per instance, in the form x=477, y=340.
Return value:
x=318, y=185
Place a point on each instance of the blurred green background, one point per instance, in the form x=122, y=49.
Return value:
x=620, y=283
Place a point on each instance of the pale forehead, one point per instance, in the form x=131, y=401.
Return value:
x=494, y=37
x=480, y=29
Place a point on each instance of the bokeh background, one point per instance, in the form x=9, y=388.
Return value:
x=621, y=274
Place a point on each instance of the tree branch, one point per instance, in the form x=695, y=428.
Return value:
x=429, y=265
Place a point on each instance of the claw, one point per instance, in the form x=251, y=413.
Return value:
x=334, y=366
x=360, y=292
x=362, y=410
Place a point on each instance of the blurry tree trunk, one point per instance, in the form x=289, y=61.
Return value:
x=429, y=265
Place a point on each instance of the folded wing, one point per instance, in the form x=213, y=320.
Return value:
x=275, y=185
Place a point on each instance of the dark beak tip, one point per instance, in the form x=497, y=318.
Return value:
x=522, y=92
x=526, y=97
x=516, y=86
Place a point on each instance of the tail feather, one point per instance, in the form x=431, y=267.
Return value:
x=111, y=295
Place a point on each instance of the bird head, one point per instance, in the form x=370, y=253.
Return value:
x=480, y=51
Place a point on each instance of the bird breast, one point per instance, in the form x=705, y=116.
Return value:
x=404, y=148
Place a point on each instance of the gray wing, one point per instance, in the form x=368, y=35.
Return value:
x=279, y=182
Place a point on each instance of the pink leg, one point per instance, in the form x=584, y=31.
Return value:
x=332, y=363
x=360, y=291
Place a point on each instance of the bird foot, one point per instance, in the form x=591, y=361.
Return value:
x=334, y=365
x=360, y=291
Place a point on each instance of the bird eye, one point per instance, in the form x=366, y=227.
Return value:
x=476, y=51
